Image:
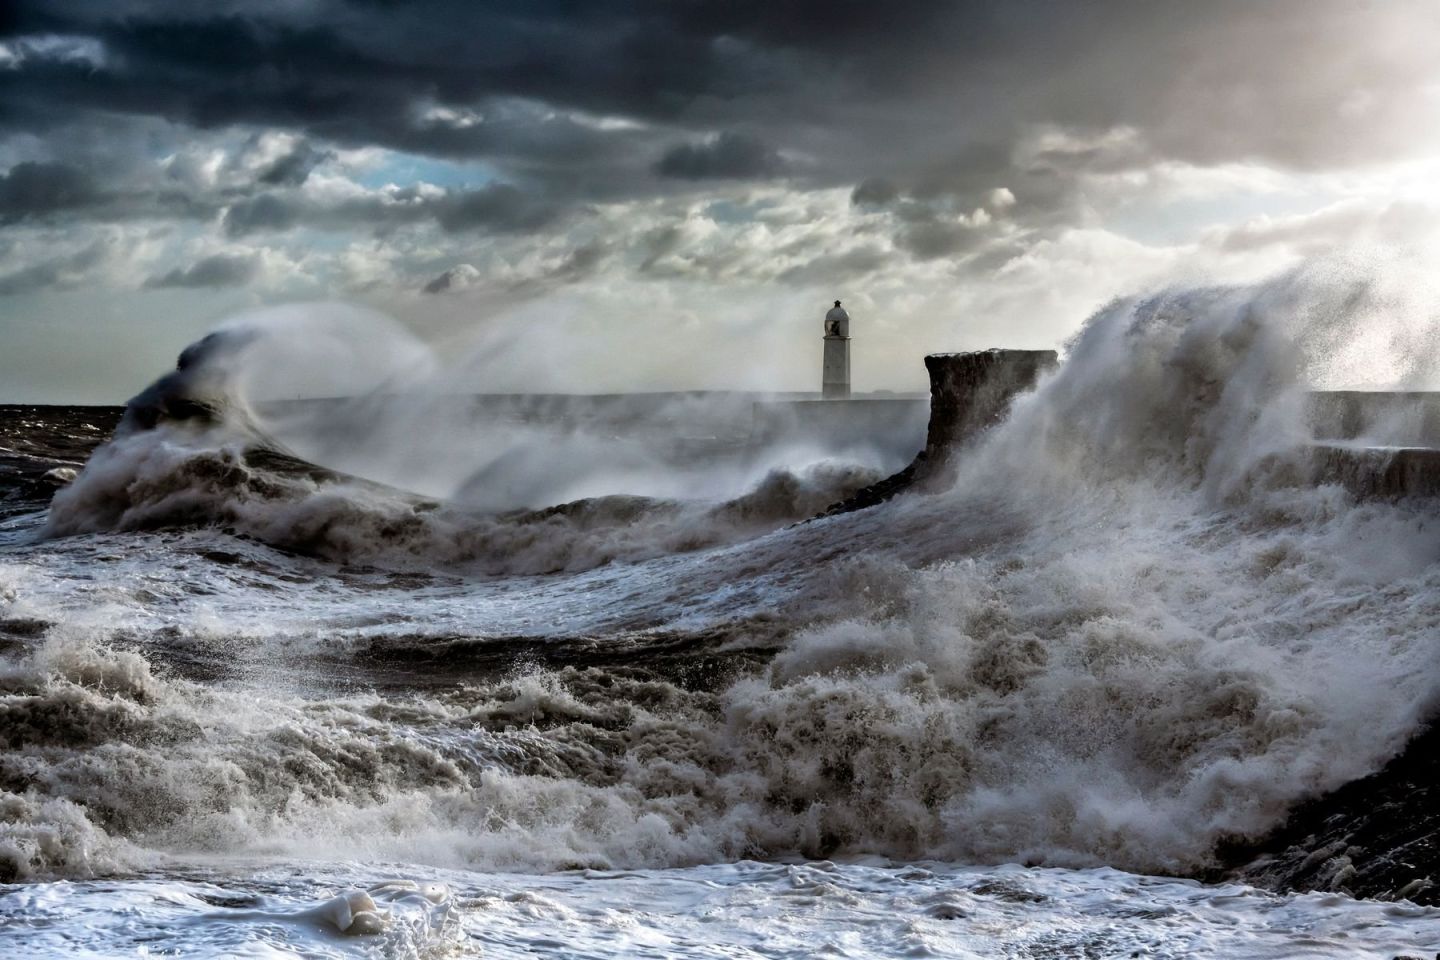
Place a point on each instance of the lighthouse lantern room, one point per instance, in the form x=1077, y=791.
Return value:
x=835, y=373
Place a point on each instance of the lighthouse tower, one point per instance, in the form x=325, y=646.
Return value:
x=835, y=374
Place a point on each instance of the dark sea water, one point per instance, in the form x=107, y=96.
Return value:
x=296, y=680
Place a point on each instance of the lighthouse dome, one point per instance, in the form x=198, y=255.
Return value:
x=837, y=322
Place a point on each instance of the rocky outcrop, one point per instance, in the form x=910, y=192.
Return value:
x=969, y=393
x=1378, y=837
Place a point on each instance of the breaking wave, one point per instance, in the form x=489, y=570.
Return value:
x=194, y=449
x=1124, y=635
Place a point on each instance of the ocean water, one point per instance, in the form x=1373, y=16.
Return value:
x=365, y=678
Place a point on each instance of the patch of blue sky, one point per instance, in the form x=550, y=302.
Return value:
x=732, y=211
x=405, y=169
x=1182, y=221
x=323, y=241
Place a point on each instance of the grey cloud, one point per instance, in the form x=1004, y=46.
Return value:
x=495, y=208
x=1399, y=222
x=498, y=206
x=728, y=155
x=57, y=273
x=928, y=241
x=456, y=278
x=293, y=169
x=666, y=255
x=832, y=268
x=1109, y=152
x=33, y=190
x=874, y=192
x=994, y=255
x=217, y=270
x=581, y=263
x=659, y=243
x=40, y=276
x=266, y=212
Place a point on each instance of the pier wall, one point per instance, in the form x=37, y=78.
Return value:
x=969, y=393
x=1374, y=443
x=1377, y=443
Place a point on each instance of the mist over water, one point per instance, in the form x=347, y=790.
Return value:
x=366, y=629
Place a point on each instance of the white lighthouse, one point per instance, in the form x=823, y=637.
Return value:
x=835, y=374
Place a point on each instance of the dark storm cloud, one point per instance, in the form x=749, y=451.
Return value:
x=1265, y=78
x=728, y=156
x=923, y=108
x=357, y=73
x=362, y=76
x=219, y=270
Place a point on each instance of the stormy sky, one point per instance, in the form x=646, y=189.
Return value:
x=667, y=194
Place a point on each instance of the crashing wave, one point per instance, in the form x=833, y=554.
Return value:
x=1122, y=636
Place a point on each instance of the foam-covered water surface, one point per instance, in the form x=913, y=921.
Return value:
x=744, y=909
